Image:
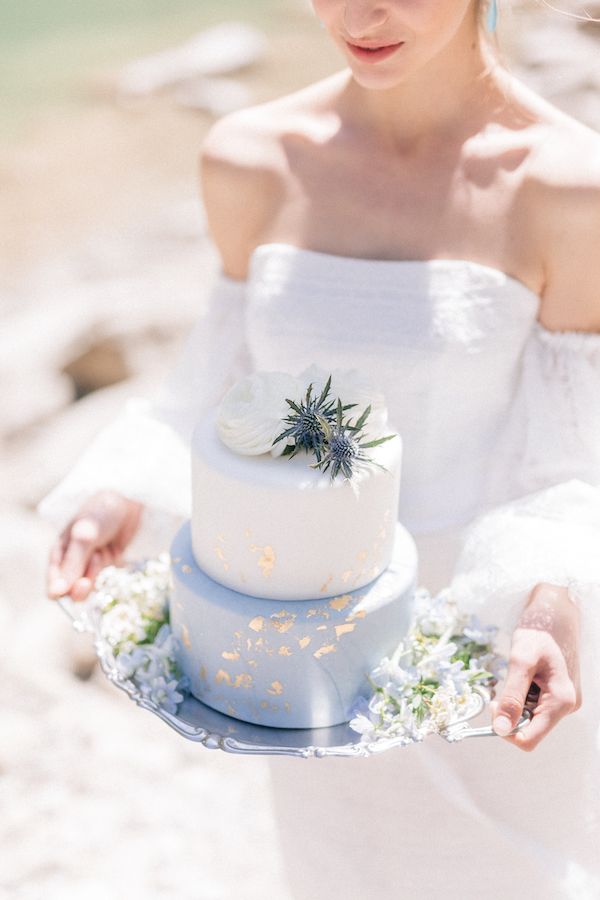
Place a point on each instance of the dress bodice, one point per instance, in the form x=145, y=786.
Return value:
x=443, y=339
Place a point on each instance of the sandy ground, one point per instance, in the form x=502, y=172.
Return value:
x=105, y=265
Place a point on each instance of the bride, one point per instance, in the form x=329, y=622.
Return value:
x=422, y=216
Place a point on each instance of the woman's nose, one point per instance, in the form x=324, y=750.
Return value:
x=363, y=18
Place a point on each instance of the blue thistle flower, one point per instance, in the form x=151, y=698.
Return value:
x=317, y=425
x=344, y=446
x=308, y=423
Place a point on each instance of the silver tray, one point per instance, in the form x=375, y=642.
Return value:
x=199, y=723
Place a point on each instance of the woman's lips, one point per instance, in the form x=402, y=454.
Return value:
x=375, y=55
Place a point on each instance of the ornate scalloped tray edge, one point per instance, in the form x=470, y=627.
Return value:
x=216, y=731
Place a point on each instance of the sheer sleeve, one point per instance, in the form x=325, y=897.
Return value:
x=144, y=453
x=549, y=530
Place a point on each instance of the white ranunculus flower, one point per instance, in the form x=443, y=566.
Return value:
x=351, y=386
x=251, y=414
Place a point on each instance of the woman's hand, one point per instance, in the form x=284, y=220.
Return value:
x=545, y=649
x=95, y=538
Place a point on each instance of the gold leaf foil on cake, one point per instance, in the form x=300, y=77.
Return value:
x=264, y=704
x=357, y=614
x=320, y=612
x=231, y=711
x=347, y=575
x=287, y=706
x=326, y=584
x=282, y=627
x=202, y=673
x=321, y=627
x=223, y=677
x=186, y=569
x=252, y=662
x=220, y=553
x=285, y=651
x=247, y=533
x=267, y=559
x=323, y=651
x=362, y=555
x=244, y=680
x=344, y=629
x=276, y=688
x=304, y=642
x=340, y=603
x=176, y=559
x=185, y=636
x=257, y=623
x=230, y=655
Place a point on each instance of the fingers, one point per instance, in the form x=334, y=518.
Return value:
x=542, y=722
x=71, y=556
x=82, y=543
x=104, y=526
x=557, y=700
x=56, y=585
x=129, y=527
x=81, y=589
x=509, y=706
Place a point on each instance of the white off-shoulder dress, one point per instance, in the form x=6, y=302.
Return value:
x=500, y=420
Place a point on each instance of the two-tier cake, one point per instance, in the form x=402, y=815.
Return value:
x=293, y=578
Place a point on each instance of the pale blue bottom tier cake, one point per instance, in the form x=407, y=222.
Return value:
x=287, y=664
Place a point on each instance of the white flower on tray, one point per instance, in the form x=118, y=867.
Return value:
x=430, y=679
x=427, y=683
x=134, y=607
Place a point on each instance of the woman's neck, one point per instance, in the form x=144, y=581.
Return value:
x=447, y=95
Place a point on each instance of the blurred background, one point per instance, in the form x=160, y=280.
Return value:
x=104, y=265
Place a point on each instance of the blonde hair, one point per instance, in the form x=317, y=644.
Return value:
x=585, y=18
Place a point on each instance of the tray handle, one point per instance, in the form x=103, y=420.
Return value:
x=459, y=731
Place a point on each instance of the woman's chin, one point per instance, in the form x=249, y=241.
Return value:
x=377, y=81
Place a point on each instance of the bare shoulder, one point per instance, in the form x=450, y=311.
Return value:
x=563, y=187
x=240, y=178
x=244, y=171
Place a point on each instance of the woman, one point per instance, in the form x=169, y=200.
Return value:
x=425, y=217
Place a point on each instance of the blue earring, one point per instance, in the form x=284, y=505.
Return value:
x=492, y=16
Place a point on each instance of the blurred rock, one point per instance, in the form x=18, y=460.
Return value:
x=216, y=51
x=590, y=21
x=100, y=365
x=105, y=316
x=559, y=60
x=216, y=96
x=37, y=459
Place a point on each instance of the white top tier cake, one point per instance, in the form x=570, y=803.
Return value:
x=295, y=486
x=293, y=578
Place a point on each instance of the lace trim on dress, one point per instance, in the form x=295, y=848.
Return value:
x=573, y=341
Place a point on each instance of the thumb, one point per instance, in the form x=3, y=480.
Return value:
x=509, y=706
